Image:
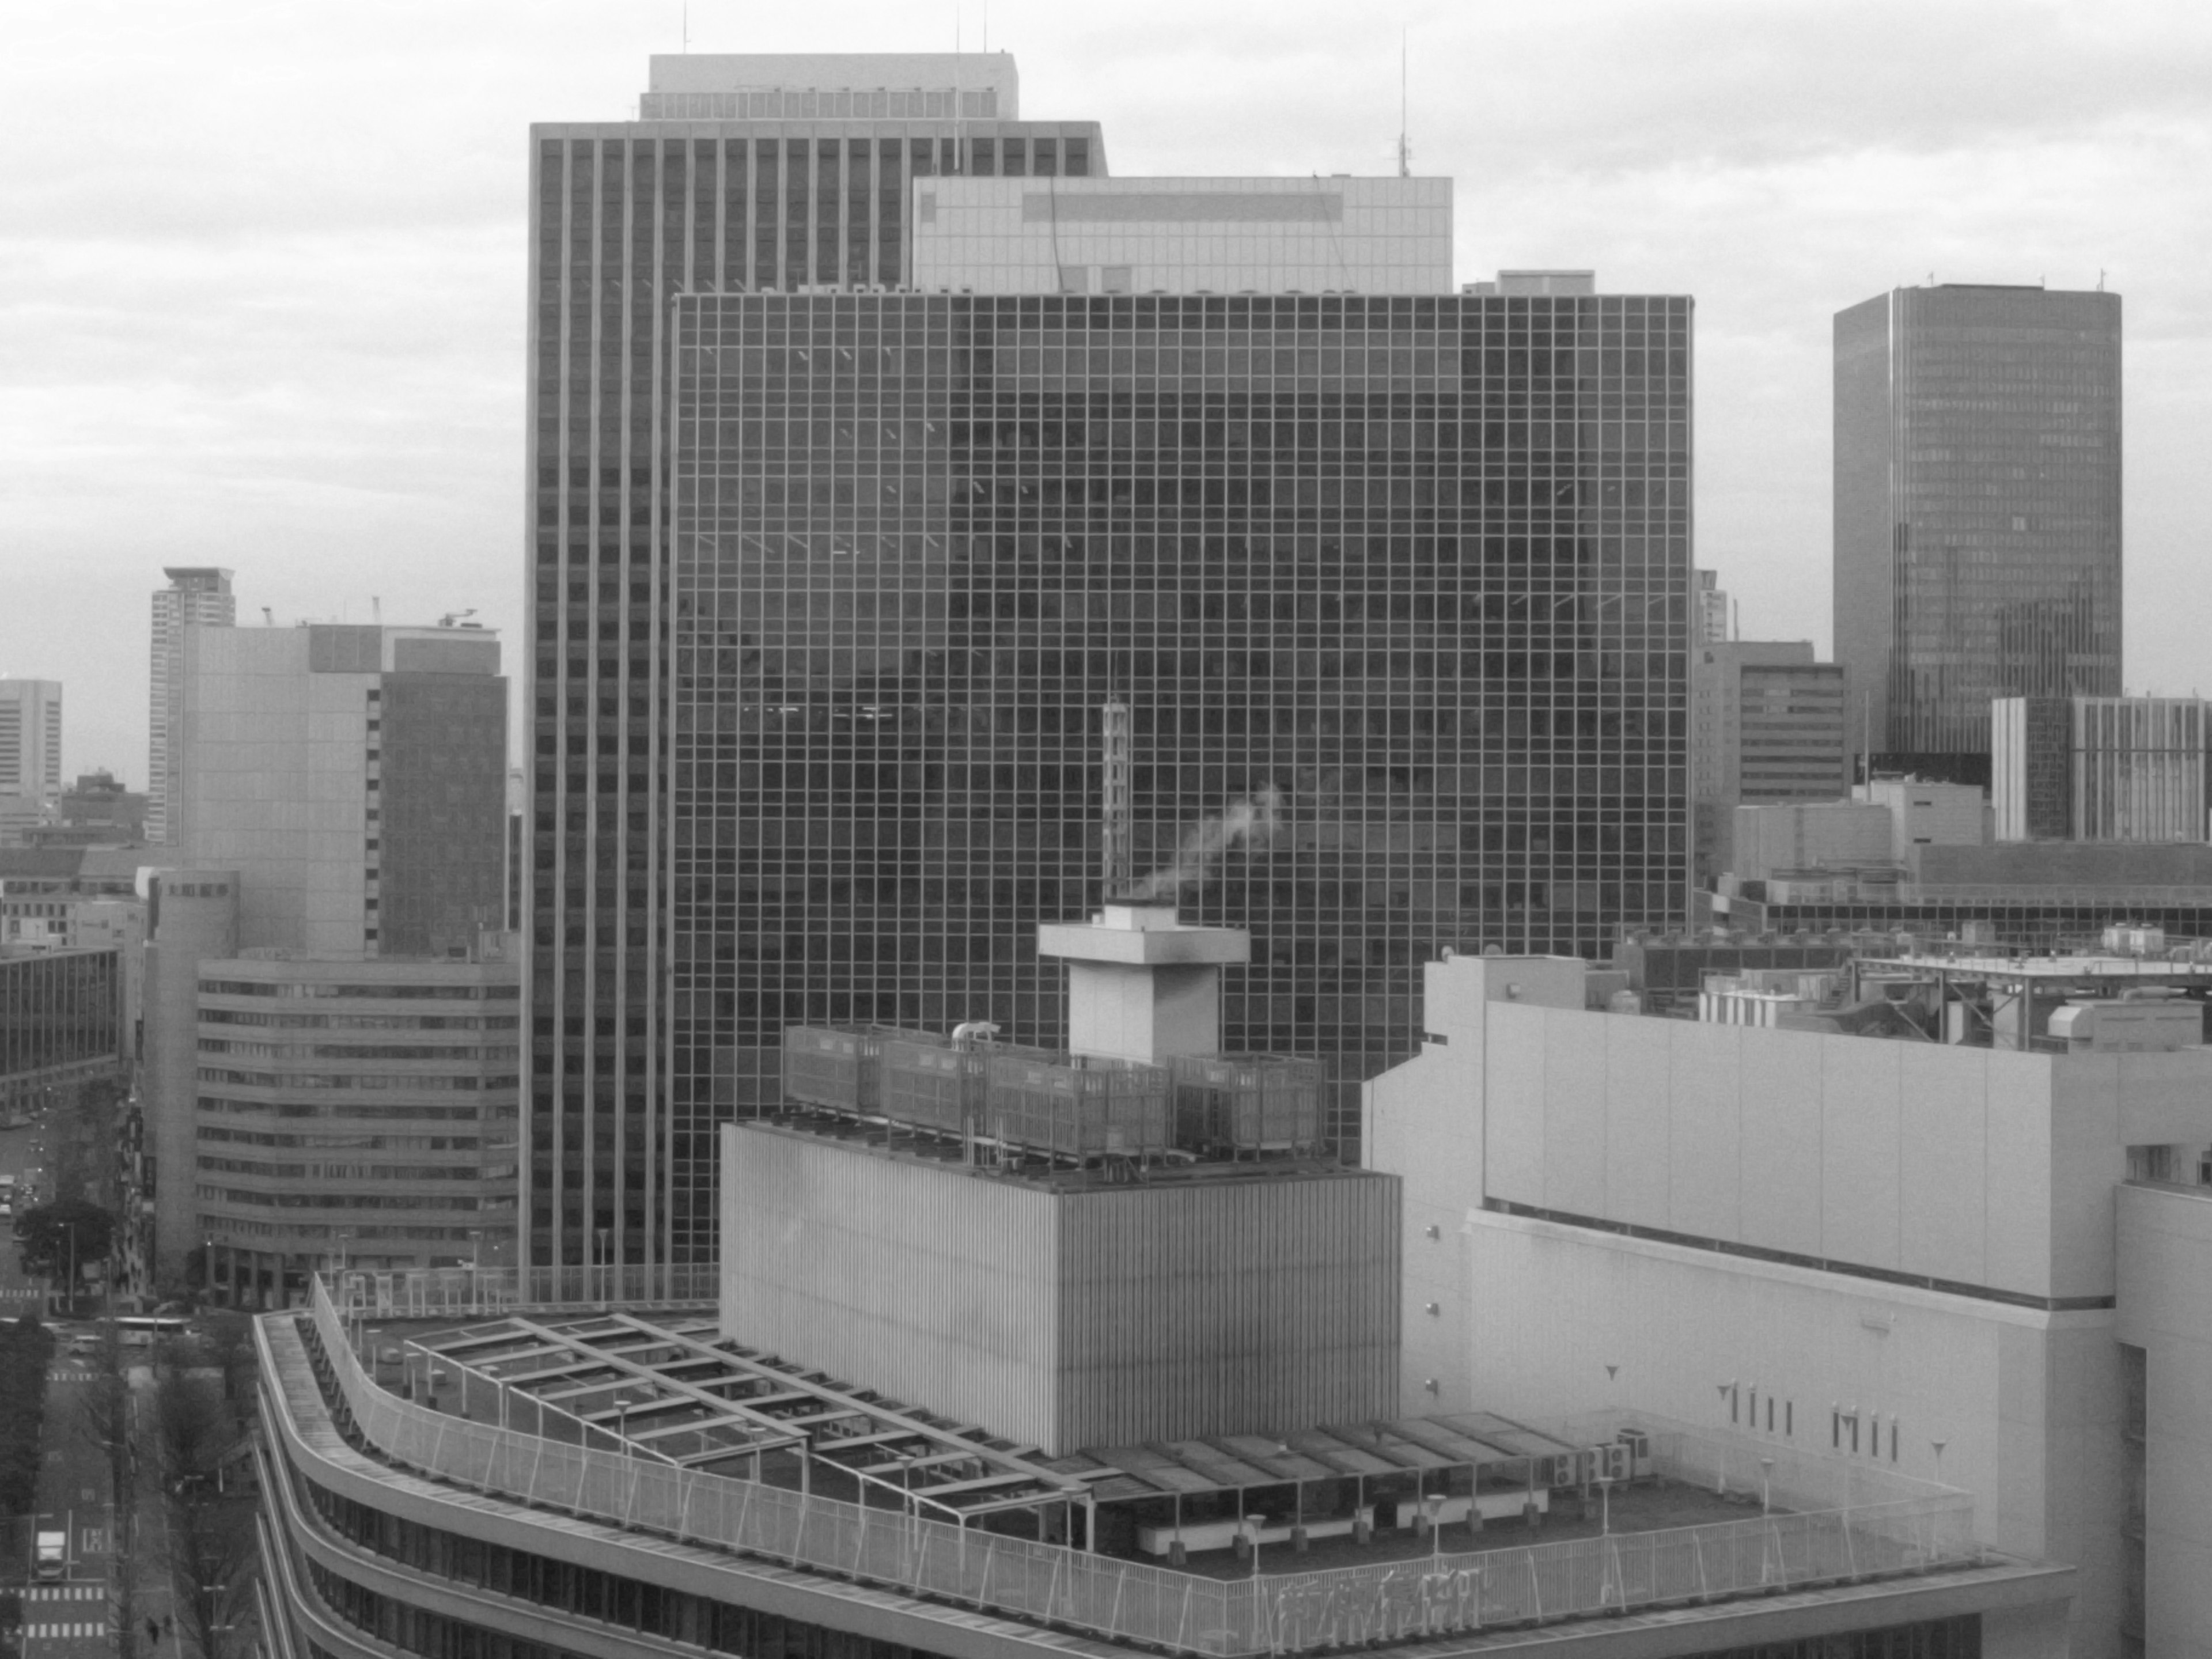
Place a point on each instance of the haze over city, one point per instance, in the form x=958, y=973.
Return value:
x=264, y=264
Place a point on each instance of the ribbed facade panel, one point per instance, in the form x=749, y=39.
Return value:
x=1258, y=1307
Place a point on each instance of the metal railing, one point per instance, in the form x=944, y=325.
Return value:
x=451, y=1292
x=1133, y=1601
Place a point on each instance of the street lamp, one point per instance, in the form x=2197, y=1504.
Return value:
x=1433, y=1503
x=475, y=1263
x=1766, y=1485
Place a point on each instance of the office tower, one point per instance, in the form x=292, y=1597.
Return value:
x=354, y=775
x=742, y=172
x=2099, y=769
x=31, y=739
x=197, y=595
x=1395, y=588
x=1766, y=726
x=1709, y=623
x=1977, y=512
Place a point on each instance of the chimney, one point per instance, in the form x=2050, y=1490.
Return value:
x=1141, y=985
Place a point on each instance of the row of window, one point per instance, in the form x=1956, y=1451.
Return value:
x=407, y=1082
x=369, y=988
x=342, y=1142
x=360, y=1051
x=360, y=1022
x=336, y=1200
x=349, y=1111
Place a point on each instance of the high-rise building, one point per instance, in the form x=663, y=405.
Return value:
x=1976, y=511
x=354, y=775
x=1766, y=727
x=2100, y=769
x=1395, y=590
x=197, y=595
x=744, y=172
x=1710, y=621
x=31, y=739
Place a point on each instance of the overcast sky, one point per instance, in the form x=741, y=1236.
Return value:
x=262, y=264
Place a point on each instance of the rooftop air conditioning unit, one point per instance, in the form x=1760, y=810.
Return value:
x=1610, y=1462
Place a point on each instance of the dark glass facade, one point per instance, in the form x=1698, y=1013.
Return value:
x=623, y=216
x=442, y=860
x=61, y=1019
x=1405, y=580
x=1977, y=512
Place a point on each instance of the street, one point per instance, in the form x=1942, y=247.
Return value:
x=72, y=1617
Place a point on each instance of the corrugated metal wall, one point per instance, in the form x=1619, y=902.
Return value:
x=1097, y=1317
x=1247, y=1307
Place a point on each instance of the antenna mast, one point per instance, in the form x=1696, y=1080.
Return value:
x=1405, y=146
x=1115, y=848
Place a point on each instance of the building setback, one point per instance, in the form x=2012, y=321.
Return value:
x=1398, y=586
x=198, y=595
x=769, y=172
x=1976, y=511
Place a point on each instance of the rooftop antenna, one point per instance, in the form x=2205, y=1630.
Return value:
x=1405, y=148
x=687, y=26
x=376, y=609
x=268, y=617
x=1115, y=848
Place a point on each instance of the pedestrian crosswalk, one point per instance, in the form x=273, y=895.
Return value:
x=66, y=1592
x=64, y=1632
x=23, y=1293
x=55, y=1374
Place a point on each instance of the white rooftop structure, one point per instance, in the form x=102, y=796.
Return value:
x=793, y=85
x=1183, y=236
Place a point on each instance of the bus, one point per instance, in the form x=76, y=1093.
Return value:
x=143, y=1330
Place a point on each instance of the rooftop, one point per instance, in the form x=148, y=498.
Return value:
x=629, y=1415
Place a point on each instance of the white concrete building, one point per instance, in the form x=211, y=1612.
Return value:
x=1901, y=1251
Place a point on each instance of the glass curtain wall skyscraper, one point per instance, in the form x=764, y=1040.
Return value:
x=1397, y=586
x=745, y=174
x=1977, y=512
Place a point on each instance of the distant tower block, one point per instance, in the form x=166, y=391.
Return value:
x=1141, y=985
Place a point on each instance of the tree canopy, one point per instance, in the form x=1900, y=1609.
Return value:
x=44, y=1234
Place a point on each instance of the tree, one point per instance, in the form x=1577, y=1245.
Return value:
x=107, y=1417
x=208, y=1542
x=69, y=1231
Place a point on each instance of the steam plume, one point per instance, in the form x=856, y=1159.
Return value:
x=1247, y=822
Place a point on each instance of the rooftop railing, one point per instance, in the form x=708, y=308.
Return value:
x=462, y=1292
x=1885, y=1526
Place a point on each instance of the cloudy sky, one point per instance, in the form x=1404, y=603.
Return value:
x=262, y=264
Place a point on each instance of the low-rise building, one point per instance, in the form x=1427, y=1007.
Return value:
x=1895, y=1249
x=351, y=1111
